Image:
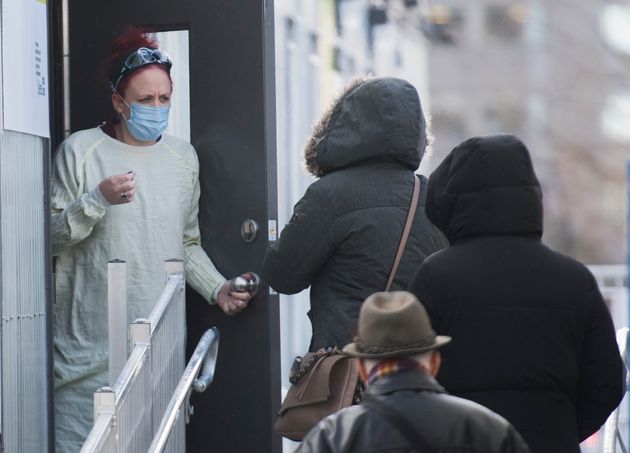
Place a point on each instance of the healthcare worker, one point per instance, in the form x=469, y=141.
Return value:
x=121, y=190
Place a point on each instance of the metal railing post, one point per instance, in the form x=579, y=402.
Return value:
x=117, y=317
x=104, y=410
x=104, y=401
x=141, y=331
x=173, y=266
x=612, y=435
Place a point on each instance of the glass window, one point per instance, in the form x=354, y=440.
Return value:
x=616, y=117
x=504, y=119
x=443, y=24
x=176, y=44
x=615, y=27
x=505, y=22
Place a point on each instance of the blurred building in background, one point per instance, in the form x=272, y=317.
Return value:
x=557, y=75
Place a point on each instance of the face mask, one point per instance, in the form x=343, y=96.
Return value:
x=147, y=123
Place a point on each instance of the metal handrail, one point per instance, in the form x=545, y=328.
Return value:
x=612, y=435
x=175, y=282
x=209, y=363
x=103, y=426
x=106, y=420
x=205, y=354
x=103, y=421
x=130, y=371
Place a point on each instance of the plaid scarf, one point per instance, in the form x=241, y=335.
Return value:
x=391, y=366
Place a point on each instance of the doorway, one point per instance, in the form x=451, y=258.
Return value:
x=223, y=55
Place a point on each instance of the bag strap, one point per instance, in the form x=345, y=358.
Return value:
x=396, y=419
x=406, y=230
x=302, y=365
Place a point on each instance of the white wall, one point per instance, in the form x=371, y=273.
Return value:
x=24, y=399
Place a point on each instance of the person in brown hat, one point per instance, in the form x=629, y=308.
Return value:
x=404, y=408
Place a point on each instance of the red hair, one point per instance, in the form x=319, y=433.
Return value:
x=123, y=46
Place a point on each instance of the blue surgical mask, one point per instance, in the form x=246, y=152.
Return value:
x=147, y=123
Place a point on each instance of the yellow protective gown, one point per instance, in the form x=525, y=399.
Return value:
x=159, y=224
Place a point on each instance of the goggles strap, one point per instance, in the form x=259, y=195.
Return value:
x=142, y=57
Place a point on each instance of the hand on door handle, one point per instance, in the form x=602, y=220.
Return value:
x=249, y=281
x=235, y=294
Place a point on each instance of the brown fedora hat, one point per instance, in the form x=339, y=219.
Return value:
x=393, y=324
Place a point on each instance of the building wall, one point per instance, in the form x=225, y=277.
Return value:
x=542, y=71
x=24, y=398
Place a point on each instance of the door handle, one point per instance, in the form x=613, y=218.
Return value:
x=249, y=230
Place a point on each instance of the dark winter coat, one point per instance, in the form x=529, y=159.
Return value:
x=532, y=337
x=344, y=232
x=446, y=423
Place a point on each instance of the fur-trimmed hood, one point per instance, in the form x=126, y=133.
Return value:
x=375, y=119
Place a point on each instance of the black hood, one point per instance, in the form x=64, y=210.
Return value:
x=485, y=186
x=372, y=120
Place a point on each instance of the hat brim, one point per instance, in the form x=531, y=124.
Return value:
x=440, y=340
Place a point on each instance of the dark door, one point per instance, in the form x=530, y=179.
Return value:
x=232, y=126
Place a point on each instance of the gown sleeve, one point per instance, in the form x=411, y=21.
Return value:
x=73, y=212
x=201, y=273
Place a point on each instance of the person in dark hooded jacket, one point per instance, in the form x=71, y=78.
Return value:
x=344, y=232
x=534, y=339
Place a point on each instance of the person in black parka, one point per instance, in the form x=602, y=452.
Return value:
x=534, y=339
x=345, y=231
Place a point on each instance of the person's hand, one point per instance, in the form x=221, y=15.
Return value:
x=119, y=189
x=231, y=302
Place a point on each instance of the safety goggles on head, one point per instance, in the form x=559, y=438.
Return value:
x=141, y=57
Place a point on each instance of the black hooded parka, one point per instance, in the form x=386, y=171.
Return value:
x=344, y=232
x=532, y=337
